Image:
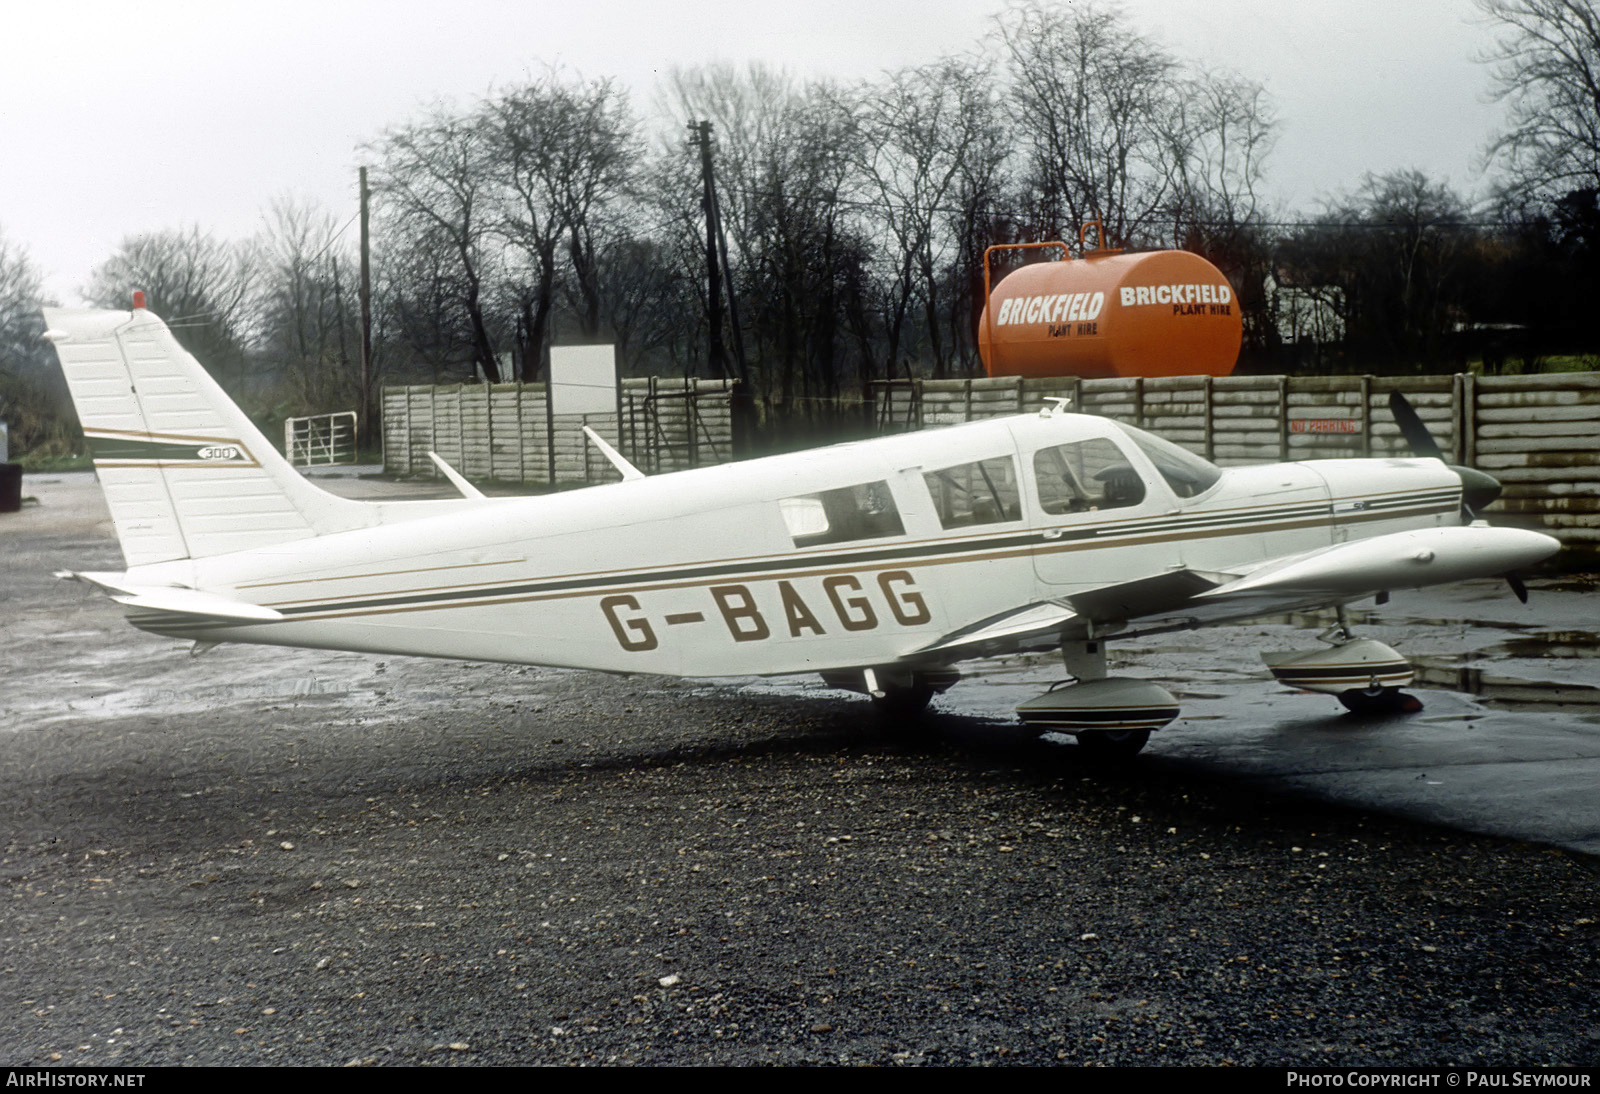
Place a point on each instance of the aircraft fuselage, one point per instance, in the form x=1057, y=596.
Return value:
x=860, y=554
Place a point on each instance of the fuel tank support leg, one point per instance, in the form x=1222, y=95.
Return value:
x=1086, y=660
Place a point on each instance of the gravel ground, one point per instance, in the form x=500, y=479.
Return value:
x=266, y=856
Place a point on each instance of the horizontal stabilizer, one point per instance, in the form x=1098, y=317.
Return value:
x=463, y=487
x=624, y=468
x=179, y=601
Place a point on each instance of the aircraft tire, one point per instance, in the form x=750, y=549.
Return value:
x=1112, y=745
x=900, y=704
x=1374, y=701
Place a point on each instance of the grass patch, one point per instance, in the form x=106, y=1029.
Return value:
x=36, y=462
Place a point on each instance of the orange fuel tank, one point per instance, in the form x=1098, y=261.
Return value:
x=1162, y=313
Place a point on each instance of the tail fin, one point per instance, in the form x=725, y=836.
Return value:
x=185, y=473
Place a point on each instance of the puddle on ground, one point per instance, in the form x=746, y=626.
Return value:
x=1554, y=644
x=1572, y=585
x=1357, y=617
x=1503, y=685
x=1528, y=670
x=1498, y=690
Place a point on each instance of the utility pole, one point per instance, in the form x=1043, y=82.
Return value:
x=366, y=318
x=719, y=358
x=733, y=297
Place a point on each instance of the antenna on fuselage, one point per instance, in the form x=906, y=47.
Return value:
x=1055, y=404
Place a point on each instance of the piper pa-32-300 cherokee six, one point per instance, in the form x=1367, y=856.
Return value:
x=879, y=564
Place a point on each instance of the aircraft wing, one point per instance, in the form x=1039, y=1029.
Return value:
x=1400, y=560
x=1182, y=599
x=1331, y=575
x=1047, y=624
x=1022, y=628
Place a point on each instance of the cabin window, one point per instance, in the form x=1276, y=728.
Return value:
x=1085, y=476
x=866, y=511
x=1186, y=473
x=984, y=492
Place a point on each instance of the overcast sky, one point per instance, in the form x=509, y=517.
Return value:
x=118, y=118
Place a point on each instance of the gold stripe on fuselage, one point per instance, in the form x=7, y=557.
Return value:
x=621, y=583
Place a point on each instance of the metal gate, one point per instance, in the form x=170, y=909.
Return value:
x=320, y=440
x=671, y=428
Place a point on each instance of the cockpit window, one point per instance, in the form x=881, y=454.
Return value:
x=1186, y=473
x=984, y=492
x=1084, y=476
x=866, y=511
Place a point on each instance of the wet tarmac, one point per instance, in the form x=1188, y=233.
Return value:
x=264, y=855
x=1508, y=743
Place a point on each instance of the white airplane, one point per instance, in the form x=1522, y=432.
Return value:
x=879, y=564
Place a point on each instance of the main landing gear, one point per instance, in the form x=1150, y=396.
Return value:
x=1111, y=716
x=897, y=694
x=1363, y=674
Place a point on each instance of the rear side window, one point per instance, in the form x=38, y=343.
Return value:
x=866, y=511
x=984, y=492
x=1085, y=476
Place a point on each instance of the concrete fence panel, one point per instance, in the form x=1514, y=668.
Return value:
x=1540, y=435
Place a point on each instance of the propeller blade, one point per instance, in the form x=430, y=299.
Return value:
x=1411, y=427
x=1478, y=488
x=1515, y=581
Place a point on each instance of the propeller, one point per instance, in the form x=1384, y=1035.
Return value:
x=1411, y=427
x=1478, y=488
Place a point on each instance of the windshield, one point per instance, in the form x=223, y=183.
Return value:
x=1186, y=473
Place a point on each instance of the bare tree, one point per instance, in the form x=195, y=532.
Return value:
x=204, y=287
x=523, y=165
x=595, y=132
x=434, y=189
x=562, y=152
x=1225, y=127
x=918, y=130
x=20, y=322
x=1389, y=259
x=33, y=398
x=306, y=325
x=977, y=213
x=1094, y=103
x=1546, y=68
x=647, y=297
x=747, y=108
x=783, y=158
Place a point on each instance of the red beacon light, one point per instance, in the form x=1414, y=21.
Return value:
x=138, y=300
